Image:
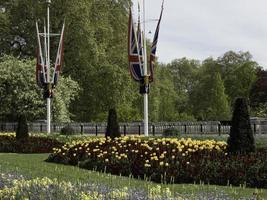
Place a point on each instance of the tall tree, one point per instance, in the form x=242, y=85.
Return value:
x=19, y=93
x=208, y=99
x=96, y=36
x=239, y=72
x=184, y=72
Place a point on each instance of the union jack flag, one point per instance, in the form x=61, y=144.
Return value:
x=40, y=65
x=139, y=38
x=59, y=58
x=135, y=64
x=39, y=72
x=153, y=50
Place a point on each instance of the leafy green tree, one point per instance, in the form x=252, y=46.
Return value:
x=66, y=92
x=19, y=93
x=184, y=76
x=239, y=72
x=258, y=93
x=93, y=40
x=208, y=99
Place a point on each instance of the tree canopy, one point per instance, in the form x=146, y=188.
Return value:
x=95, y=71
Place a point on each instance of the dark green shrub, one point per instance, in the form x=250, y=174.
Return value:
x=171, y=132
x=241, y=138
x=22, y=132
x=67, y=130
x=9, y=144
x=113, y=129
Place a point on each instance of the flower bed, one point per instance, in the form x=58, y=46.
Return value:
x=166, y=160
x=34, y=144
x=13, y=186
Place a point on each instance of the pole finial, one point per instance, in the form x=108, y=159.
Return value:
x=48, y=1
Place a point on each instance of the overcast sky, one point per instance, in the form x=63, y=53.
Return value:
x=202, y=28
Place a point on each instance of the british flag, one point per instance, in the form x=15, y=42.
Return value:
x=153, y=50
x=59, y=58
x=134, y=58
x=40, y=65
x=40, y=77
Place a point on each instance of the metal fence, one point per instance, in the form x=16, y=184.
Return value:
x=213, y=127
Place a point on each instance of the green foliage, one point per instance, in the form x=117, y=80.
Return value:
x=67, y=130
x=66, y=92
x=208, y=98
x=36, y=144
x=260, y=110
x=96, y=58
x=171, y=132
x=184, y=77
x=113, y=129
x=239, y=73
x=19, y=93
x=22, y=132
x=241, y=138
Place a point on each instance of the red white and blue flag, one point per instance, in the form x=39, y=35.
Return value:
x=59, y=58
x=40, y=65
x=134, y=56
x=140, y=39
x=153, y=50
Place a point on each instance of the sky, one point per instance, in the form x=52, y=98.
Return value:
x=199, y=29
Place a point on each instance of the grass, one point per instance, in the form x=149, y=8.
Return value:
x=33, y=165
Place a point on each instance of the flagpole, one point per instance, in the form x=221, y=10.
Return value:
x=48, y=68
x=145, y=74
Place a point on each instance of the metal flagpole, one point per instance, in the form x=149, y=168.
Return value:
x=145, y=74
x=48, y=68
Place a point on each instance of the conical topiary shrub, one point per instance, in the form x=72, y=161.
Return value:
x=241, y=138
x=113, y=129
x=22, y=132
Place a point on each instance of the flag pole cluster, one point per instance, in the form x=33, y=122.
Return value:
x=42, y=77
x=136, y=55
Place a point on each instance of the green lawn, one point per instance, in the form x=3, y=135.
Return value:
x=33, y=165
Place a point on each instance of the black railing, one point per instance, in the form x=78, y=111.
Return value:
x=137, y=128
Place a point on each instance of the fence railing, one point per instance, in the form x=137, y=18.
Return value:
x=137, y=128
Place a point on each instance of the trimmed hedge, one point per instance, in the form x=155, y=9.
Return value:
x=9, y=144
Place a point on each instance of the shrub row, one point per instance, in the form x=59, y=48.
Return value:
x=9, y=144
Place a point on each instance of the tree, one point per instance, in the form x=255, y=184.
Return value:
x=258, y=94
x=184, y=72
x=241, y=138
x=239, y=72
x=66, y=92
x=19, y=93
x=93, y=40
x=113, y=129
x=207, y=98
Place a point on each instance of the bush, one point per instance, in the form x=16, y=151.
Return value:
x=22, y=132
x=113, y=129
x=67, y=130
x=171, y=132
x=9, y=144
x=241, y=138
